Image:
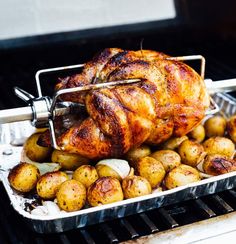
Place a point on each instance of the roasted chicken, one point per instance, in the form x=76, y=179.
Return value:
x=170, y=100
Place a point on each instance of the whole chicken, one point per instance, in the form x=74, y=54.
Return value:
x=171, y=99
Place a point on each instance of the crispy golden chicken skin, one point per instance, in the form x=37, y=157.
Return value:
x=171, y=99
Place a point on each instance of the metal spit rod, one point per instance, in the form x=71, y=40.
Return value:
x=16, y=114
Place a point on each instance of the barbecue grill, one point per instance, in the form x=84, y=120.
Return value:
x=19, y=62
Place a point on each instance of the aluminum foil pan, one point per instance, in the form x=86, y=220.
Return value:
x=61, y=221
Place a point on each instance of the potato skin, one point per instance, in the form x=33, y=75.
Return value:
x=219, y=145
x=71, y=195
x=49, y=183
x=23, y=177
x=104, y=170
x=152, y=170
x=197, y=134
x=104, y=190
x=181, y=175
x=191, y=152
x=231, y=128
x=68, y=161
x=173, y=142
x=135, y=186
x=136, y=153
x=34, y=151
x=169, y=158
x=216, y=164
x=215, y=126
x=86, y=174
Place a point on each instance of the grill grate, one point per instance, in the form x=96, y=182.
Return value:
x=13, y=229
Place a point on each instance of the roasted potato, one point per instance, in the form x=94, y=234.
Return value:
x=191, y=152
x=173, y=142
x=215, y=126
x=136, y=153
x=152, y=170
x=23, y=177
x=197, y=134
x=35, y=152
x=104, y=190
x=216, y=164
x=181, y=175
x=116, y=168
x=71, y=195
x=68, y=161
x=169, y=158
x=231, y=128
x=86, y=174
x=219, y=145
x=49, y=183
x=135, y=186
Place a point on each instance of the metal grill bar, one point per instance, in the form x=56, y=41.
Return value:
x=151, y=226
x=167, y=218
x=204, y=209
x=109, y=233
x=220, y=203
x=129, y=228
x=87, y=237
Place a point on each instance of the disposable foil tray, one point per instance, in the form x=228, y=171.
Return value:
x=10, y=156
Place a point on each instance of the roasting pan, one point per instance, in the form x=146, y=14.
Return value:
x=10, y=155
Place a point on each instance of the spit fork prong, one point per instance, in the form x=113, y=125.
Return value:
x=80, y=89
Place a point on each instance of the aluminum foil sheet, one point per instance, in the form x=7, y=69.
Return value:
x=12, y=137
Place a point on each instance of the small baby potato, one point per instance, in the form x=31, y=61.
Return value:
x=104, y=190
x=71, y=195
x=181, y=175
x=231, y=128
x=117, y=168
x=219, y=145
x=136, y=153
x=136, y=186
x=169, y=159
x=173, y=142
x=86, y=174
x=68, y=161
x=191, y=152
x=197, y=134
x=215, y=126
x=104, y=170
x=23, y=177
x=152, y=170
x=34, y=151
x=49, y=183
x=216, y=164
